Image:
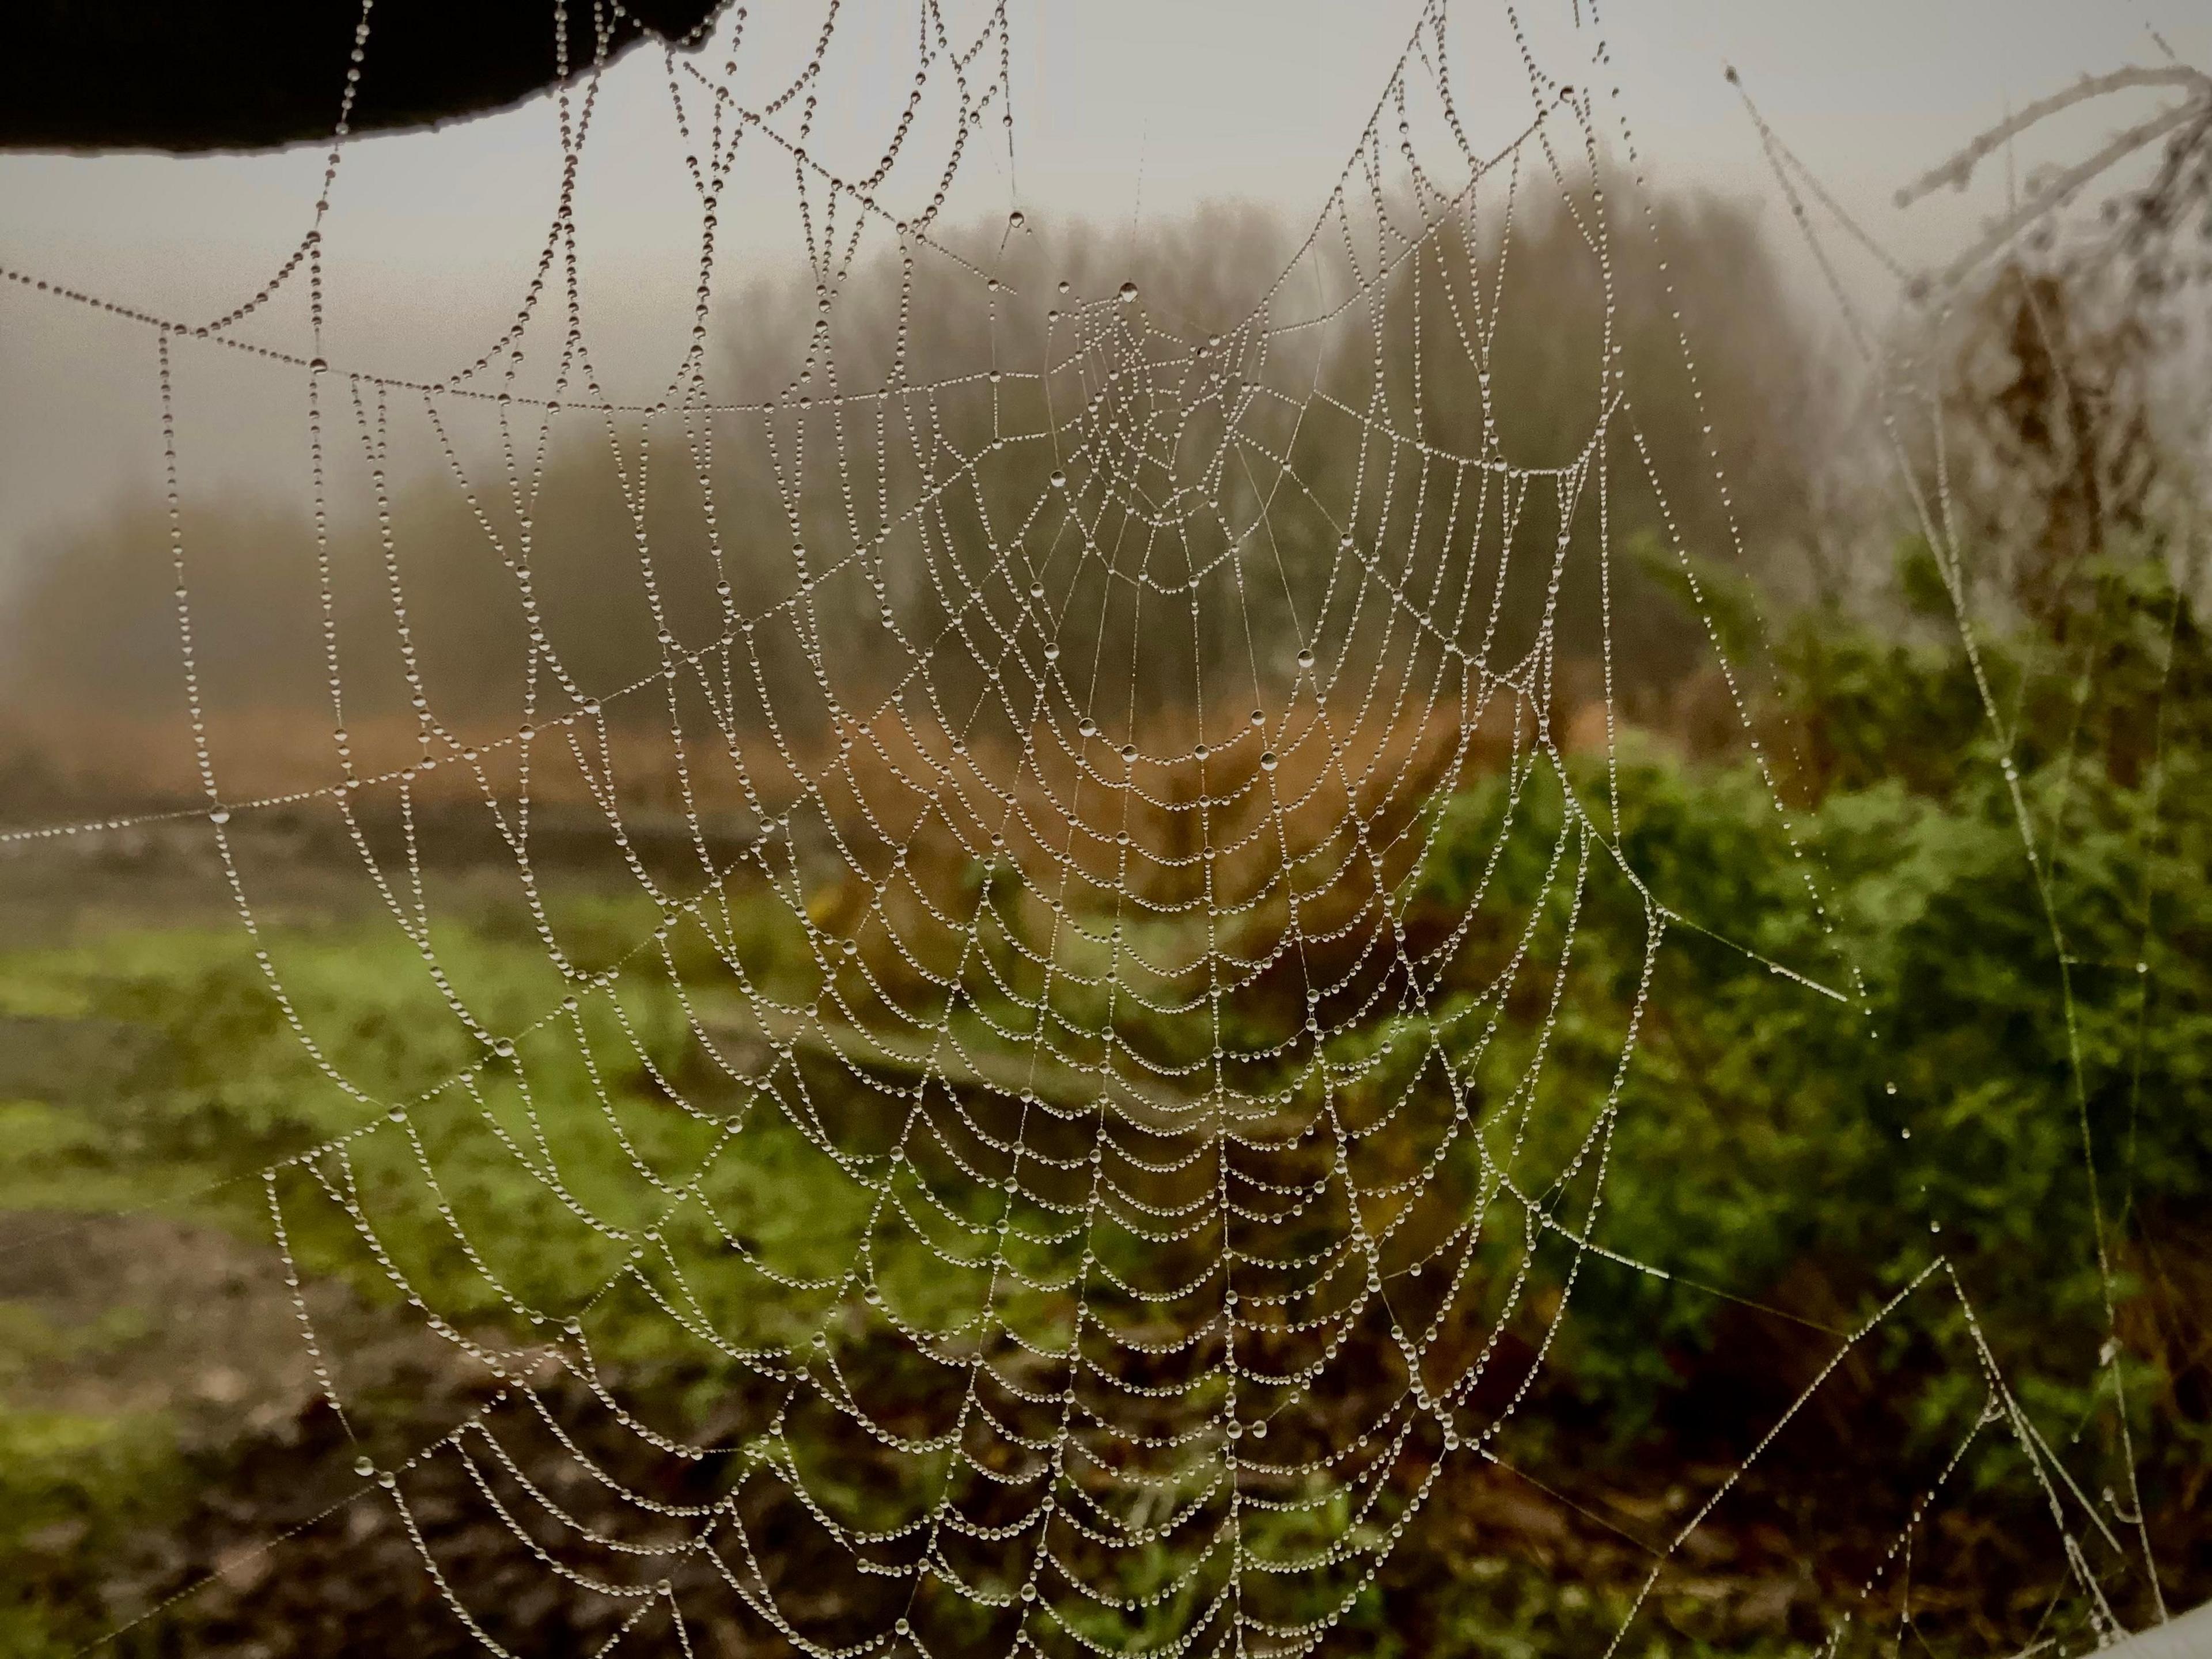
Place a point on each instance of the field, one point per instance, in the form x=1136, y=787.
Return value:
x=1889, y=1248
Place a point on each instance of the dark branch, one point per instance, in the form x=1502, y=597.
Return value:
x=259, y=74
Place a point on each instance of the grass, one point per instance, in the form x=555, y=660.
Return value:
x=682, y=1184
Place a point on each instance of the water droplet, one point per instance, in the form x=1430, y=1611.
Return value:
x=364, y=1465
x=1015, y=220
x=1305, y=660
x=1058, y=480
x=221, y=815
x=1128, y=751
x=1052, y=654
x=1268, y=761
x=1128, y=293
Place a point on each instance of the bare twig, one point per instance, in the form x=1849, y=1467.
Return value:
x=1958, y=168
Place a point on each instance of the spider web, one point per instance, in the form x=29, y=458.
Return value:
x=1102, y=1236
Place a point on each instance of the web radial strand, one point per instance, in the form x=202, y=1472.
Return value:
x=1089, y=664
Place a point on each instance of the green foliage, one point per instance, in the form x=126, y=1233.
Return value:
x=1702, y=588
x=1948, y=1006
x=73, y=1487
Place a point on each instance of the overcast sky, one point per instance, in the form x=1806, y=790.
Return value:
x=1130, y=111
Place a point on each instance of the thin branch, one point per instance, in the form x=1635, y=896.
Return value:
x=1960, y=168
x=2070, y=182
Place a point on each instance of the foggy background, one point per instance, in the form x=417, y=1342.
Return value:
x=1126, y=116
